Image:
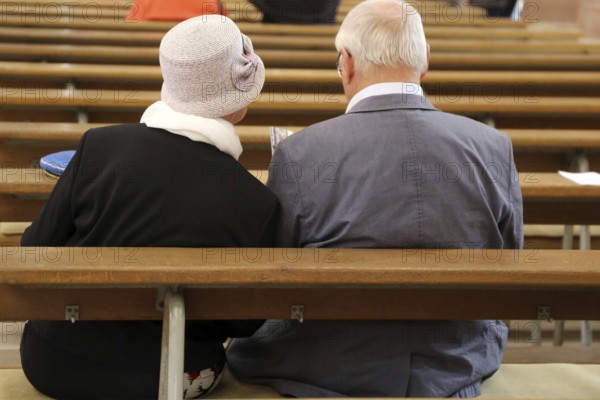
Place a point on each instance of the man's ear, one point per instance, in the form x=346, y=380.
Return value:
x=428, y=56
x=347, y=66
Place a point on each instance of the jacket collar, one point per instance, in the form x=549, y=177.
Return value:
x=391, y=102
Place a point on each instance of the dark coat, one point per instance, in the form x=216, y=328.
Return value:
x=496, y=8
x=298, y=11
x=134, y=186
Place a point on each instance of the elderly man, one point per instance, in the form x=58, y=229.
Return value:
x=392, y=172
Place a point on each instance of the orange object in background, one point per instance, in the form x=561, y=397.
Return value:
x=173, y=10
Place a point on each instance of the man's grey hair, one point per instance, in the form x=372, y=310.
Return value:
x=386, y=33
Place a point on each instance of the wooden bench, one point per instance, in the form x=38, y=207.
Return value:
x=22, y=144
x=293, y=107
x=547, y=197
x=482, y=31
x=260, y=41
x=306, y=284
x=297, y=58
x=447, y=83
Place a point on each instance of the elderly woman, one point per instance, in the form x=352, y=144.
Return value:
x=172, y=180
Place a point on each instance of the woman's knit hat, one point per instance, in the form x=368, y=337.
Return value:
x=209, y=67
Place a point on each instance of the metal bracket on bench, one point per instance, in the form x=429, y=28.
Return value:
x=72, y=313
x=298, y=312
x=544, y=313
x=160, y=297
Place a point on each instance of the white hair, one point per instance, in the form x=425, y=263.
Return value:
x=387, y=33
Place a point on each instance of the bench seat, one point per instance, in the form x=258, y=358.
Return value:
x=540, y=150
x=315, y=284
x=152, y=38
x=523, y=83
x=512, y=381
x=298, y=58
x=299, y=103
x=548, y=198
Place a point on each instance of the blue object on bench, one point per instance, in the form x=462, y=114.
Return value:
x=56, y=163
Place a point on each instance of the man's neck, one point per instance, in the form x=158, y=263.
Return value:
x=385, y=88
x=383, y=75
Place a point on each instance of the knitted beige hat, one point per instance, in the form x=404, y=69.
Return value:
x=209, y=67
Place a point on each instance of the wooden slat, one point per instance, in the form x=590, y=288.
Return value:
x=133, y=74
x=44, y=131
x=301, y=103
x=487, y=32
x=15, y=209
x=300, y=58
x=60, y=52
x=534, y=185
x=25, y=181
x=328, y=303
x=538, y=185
x=554, y=139
x=22, y=144
x=310, y=268
x=513, y=61
x=72, y=132
x=561, y=139
x=262, y=41
x=547, y=197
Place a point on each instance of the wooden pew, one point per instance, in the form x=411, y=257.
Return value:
x=305, y=284
x=301, y=271
x=479, y=83
x=295, y=107
x=547, y=197
x=481, y=31
x=536, y=150
x=265, y=41
x=297, y=58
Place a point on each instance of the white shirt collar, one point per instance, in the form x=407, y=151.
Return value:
x=380, y=89
x=214, y=131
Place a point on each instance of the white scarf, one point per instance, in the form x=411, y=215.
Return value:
x=214, y=131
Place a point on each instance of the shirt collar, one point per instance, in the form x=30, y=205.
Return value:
x=380, y=89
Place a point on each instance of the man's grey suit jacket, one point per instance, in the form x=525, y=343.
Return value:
x=394, y=172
